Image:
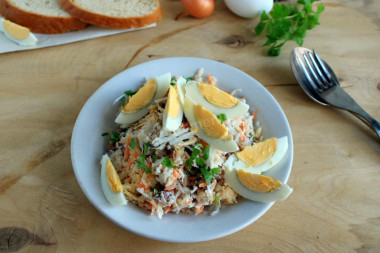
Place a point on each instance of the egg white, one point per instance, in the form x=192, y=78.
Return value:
x=181, y=82
x=223, y=145
x=169, y=123
x=126, y=118
x=30, y=41
x=233, y=181
x=112, y=197
x=282, y=147
x=193, y=92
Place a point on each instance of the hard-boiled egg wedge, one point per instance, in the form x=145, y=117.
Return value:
x=262, y=156
x=110, y=182
x=248, y=184
x=181, y=89
x=138, y=105
x=173, y=113
x=208, y=126
x=243, y=171
x=16, y=33
x=215, y=100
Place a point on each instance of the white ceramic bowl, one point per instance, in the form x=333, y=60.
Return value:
x=98, y=115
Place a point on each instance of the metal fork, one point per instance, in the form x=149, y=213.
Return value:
x=320, y=83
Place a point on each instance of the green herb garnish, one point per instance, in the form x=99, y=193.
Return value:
x=130, y=93
x=114, y=137
x=168, y=163
x=104, y=134
x=132, y=143
x=217, y=200
x=146, y=147
x=222, y=117
x=154, y=158
x=189, y=162
x=154, y=189
x=122, y=100
x=188, y=79
x=172, y=81
x=208, y=175
x=140, y=161
x=207, y=152
x=288, y=22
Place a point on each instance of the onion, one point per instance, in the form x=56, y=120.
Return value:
x=197, y=8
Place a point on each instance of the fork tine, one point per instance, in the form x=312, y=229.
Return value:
x=306, y=72
x=322, y=67
x=325, y=83
x=313, y=74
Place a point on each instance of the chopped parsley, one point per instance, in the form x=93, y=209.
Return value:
x=114, y=137
x=140, y=161
x=130, y=93
x=168, y=163
x=208, y=175
x=200, y=161
x=217, y=200
x=132, y=143
x=122, y=100
x=172, y=81
x=207, y=152
x=146, y=147
x=191, y=159
x=222, y=117
x=104, y=134
x=154, y=189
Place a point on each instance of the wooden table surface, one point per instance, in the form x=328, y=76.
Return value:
x=335, y=206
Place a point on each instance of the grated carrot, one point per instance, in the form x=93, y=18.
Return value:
x=186, y=124
x=126, y=152
x=209, y=78
x=176, y=173
x=254, y=114
x=242, y=137
x=135, y=155
x=200, y=209
x=203, y=184
x=167, y=209
x=204, y=144
x=169, y=188
x=140, y=185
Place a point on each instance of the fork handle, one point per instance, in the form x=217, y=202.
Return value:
x=343, y=100
x=368, y=120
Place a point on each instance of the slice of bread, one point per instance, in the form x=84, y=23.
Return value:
x=115, y=13
x=40, y=16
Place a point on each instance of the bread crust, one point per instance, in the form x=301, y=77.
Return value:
x=108, y=21
x=39, y=23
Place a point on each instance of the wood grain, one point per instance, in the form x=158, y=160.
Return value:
x=335, y=175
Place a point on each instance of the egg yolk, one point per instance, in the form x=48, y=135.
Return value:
x=173, y=105
x=16, y=31
x=257, y=182
x=113, y=178
x=258, y=153
x=210, y=123
x=143, y=97
x=216, y=96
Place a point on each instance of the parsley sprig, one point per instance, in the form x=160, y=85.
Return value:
x=288, y=22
